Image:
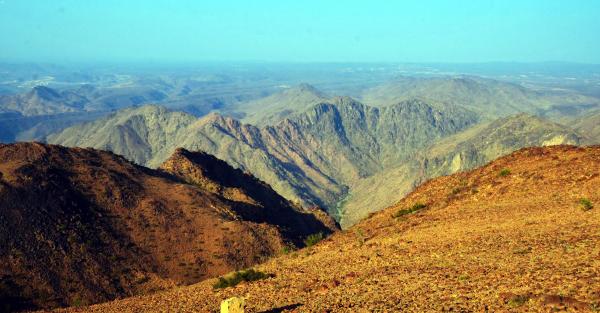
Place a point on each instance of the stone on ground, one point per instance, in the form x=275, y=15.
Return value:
x=233, y=305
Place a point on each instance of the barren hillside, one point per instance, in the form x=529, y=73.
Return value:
x=519, y=234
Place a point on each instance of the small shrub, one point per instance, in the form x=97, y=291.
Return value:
x=517, y=301
x=360, y=236
x=504, y=172
x=287, y=249
x=313, y=239
x=240, y=276
x=77, y=302
x=586, y=203
x=416, y=207
x=522, y=251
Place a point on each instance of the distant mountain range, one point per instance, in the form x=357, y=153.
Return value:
x=42, y=100
x=488, y=97
x=339, y=154
x=320, y=150
x=311, y=157
x=79, y=226
x=42, y=110
x=280, y=105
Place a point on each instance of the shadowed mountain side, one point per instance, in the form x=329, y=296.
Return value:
x=254, y=199
x=82, y=226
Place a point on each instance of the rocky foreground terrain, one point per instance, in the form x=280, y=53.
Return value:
x=520, y=234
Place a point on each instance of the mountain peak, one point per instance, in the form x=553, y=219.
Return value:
x=262, y=203
x=305, y=87
x=344, y=100
x=44, y=93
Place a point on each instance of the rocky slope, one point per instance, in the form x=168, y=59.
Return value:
x=513, y=236
x=311, y=157
x=81, y=226
x=485, y=142
x=136, y=133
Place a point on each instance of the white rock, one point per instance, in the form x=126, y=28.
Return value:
x=233, y=305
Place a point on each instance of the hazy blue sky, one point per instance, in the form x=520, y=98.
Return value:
x=341, y=30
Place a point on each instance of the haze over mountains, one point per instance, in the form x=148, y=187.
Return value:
x=490, y=98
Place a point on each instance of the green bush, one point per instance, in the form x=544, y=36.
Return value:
x=517, y=301
x=240, y=276
x=416, y=207
x=287, y=249
x=586, y=203
x=313, y=239
x=504, y=172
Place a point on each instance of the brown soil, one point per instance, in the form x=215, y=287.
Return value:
x=510, y=236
